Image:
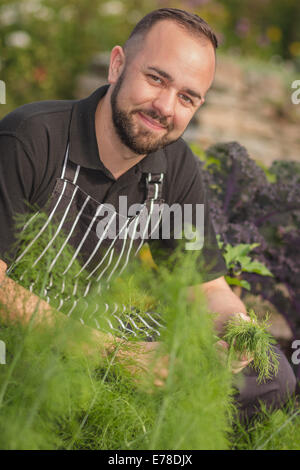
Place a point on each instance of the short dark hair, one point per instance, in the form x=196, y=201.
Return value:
x=190, y=21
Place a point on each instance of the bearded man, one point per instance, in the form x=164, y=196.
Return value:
x=76, y=157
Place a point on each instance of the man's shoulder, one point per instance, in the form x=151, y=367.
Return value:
x=180, y=156
x=184, y=183
x=32, y=117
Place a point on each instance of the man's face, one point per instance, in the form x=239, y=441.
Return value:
x=161, y=88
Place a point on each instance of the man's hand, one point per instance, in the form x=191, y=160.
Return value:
x=243, y=359
x=237, y=365
x=143, y=358
x=222, y=301
x=140, y=358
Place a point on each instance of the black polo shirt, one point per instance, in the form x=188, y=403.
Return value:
x=33, y=142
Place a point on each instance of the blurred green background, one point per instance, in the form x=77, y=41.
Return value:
x=46, y=44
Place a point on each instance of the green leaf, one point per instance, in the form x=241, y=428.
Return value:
x=198, y=151
x=271, y=177
x=238, y=254
x=220, y=243
x=238, y=251
x=212, y=161
x=234, y=281
x=258, y=268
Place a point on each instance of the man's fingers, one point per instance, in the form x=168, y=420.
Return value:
x=242, y=315
x=237, y=366
x=164, y=373
x=242, y=359
x=159, y=383
x=161, y=371
x=145, y=359
x=223, y=344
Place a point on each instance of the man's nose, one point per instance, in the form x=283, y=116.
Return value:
x=165, y=102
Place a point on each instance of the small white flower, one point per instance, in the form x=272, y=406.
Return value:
x=36, y=9
x=8, y=15
x=18, y=39
x=113, y=7
x=30, y=7
x=44, y=13
x=67, y=13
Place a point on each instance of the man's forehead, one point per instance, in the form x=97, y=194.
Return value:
x=165, y=31
x=166, y=27
x=177, y=53
x=169, y=41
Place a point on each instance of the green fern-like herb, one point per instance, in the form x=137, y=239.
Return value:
x=65, y=394
x=253, y=339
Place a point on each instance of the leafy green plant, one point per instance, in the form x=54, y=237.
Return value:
x=192, y=397
x=277, y=430
x=252, y=338
x=246, y=209
x=76, y=397
x=238, y=261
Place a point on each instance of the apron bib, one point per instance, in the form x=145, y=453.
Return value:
x=78, y=217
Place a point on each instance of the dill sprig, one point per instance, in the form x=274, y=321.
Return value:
x=253, y=339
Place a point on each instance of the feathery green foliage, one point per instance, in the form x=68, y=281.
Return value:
x=63, y=393
x=277, y=430
x=196, y=405
x=252, y=338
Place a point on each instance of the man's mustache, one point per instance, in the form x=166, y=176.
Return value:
x=162, y=120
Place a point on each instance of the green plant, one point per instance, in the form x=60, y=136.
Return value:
x=252, y=338
x=238, y=261
x=277, y=430
x=247, y=209
x=65, y=398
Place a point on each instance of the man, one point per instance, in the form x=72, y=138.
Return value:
x=100, y=148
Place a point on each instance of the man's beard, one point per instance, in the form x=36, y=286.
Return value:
x=143, y=141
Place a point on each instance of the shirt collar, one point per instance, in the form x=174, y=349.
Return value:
x=83, y=148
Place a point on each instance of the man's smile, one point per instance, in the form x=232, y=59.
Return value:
x=150, y=122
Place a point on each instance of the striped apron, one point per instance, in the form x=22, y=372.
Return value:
x=77, y=216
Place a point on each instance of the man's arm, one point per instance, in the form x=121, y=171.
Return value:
x=223, y=301
x=17, y=303
x=226, y=304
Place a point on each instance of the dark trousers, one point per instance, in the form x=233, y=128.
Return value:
x=274, y=393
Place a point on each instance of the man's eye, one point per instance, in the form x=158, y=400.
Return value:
x=155, y=78
x=186, y=99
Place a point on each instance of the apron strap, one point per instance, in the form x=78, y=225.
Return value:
x=70, y=171
x=154, y=186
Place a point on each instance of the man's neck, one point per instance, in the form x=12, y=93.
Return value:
x=115, y=156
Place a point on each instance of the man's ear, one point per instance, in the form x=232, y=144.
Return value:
x=116, y=64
